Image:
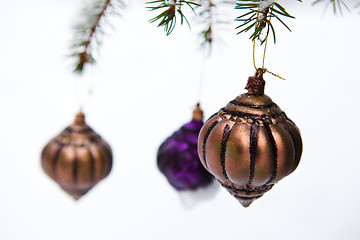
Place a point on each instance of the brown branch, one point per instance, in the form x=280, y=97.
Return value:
x=85, y=57
x=210, y=33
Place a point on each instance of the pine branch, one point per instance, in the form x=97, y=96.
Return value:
x=168, y=17
x=357, y=5
x=87, y=33
x=336, y=4
x=258, y=15
x=209, y=18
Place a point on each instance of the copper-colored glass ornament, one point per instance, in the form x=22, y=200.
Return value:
x=77, y=159
x=250, y=144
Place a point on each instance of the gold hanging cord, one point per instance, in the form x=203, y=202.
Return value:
x=266, y=41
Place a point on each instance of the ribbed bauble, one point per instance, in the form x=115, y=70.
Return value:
x=250, y=144
x=77, y=159
x=178, y=159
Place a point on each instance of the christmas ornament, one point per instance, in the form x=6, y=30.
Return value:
x=178, y=160
x=77, y=159
x=250, y=144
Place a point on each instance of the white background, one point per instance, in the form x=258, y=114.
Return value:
x=144, y=87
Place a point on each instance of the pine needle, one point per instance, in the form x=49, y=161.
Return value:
x=167, y=18
x=88, y=33
x=257, y=15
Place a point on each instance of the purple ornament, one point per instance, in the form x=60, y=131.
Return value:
x=178, y=158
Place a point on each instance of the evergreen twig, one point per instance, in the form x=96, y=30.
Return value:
x=167, y=18
x=209, y=18
x=257, y=16
x=357, y=5
x=336, y=4
x=87, y=33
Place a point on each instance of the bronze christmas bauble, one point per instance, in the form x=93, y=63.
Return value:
x=250, y=144
x=77, y=159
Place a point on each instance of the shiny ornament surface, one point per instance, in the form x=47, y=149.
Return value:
x=178, y=160
x=250, y=144
x=77, y=159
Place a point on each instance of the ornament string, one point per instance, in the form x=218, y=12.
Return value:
x=263, y=62
x=84, y=91
x=201, y=80
x=264, y=54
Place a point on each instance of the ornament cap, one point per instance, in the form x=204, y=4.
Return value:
x=198, y=114
x=256, y=84
x=79, y=118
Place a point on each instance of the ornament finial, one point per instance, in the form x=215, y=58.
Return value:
x=245, y=203
x=76, y=194
x=198, y=113
x=256, y=84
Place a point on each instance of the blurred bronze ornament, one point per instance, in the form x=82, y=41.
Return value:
x=77, y=159
x=250, y=144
